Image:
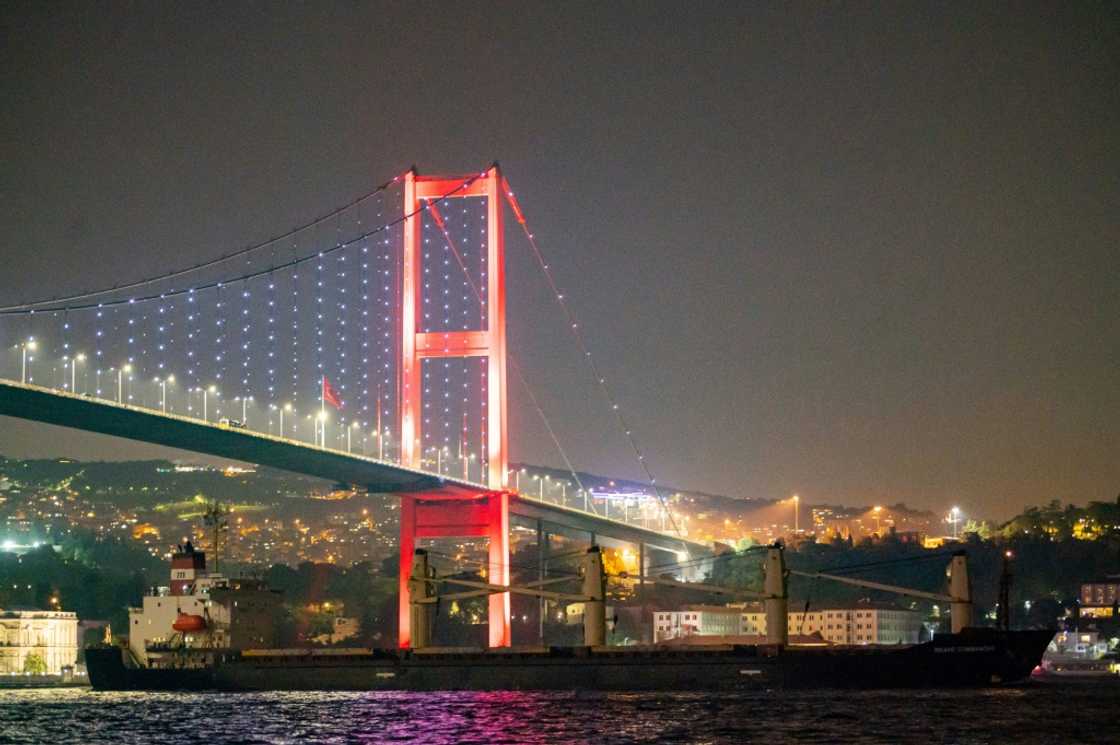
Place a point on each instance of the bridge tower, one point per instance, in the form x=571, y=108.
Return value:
x=455, y=512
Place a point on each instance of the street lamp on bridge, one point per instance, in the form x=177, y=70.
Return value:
x=244, y=410
x=163, y=391
x=120, y=381
x=74, y=371
x=204, y=392
x=322, y=429
x=282, y=409
x=32, y=345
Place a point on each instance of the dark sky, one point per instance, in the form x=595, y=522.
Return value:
x=863, y=252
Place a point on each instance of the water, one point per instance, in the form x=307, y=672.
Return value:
x=1052, y=713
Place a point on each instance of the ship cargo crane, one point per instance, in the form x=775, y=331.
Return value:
x=775, y=595
x=593, y=593
x=959, y=597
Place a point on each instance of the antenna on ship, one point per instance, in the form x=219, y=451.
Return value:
x=1003, y=616
x=215, y=518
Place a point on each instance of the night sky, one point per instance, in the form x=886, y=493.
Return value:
x=866, y=253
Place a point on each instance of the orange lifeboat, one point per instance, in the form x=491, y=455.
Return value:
x=187, y=624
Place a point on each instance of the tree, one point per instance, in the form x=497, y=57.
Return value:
x=34, y=664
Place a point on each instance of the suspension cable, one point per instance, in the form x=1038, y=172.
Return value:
x=33, y=308
x=577, y=335
x=209, y=263
x=442, y=225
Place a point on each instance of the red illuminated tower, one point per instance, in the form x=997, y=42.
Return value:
x=456, y=512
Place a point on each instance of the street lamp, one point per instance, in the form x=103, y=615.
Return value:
x=205, y=391
x=439, y=458
x=322, y=428
x=244, y=411
x=32, y=345
x=120, y=381
x=877, y=510
x=163, y=391
x=285, y=407
x=796, y=513
x=74, y=371
x=954, y=517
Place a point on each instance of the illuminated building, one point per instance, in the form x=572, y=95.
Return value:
x=1099, y=598
x=859, y=623
x=49, y=635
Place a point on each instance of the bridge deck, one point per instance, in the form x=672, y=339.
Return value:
x=51, y=406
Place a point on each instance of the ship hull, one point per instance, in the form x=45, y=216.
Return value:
x=978, y=657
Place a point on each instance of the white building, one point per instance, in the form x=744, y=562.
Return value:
x=861, y=623
x=697, y=620
x=49, y=634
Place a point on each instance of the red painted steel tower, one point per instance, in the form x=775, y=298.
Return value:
x=456, y=511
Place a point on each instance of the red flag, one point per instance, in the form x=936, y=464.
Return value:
x=329, y=395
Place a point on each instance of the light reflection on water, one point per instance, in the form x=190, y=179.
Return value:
x=1083, y=713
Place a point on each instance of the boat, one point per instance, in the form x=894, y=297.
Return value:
x=973, y=658
x=969, y=656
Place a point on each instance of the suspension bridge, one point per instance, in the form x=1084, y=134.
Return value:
x=367, y=347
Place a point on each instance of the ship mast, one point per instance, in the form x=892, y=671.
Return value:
x=215, y=518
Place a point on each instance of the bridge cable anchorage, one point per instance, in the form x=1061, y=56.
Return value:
x=62, y=304
x=577, y=334
x=213, y=262
x=442, y=225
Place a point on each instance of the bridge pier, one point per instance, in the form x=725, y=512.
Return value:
x=451, y=514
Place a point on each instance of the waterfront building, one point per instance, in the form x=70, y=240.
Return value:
x=47, y=635
x=1099, y=598
x=858, y=623
x=202, y=609
x=342, y=628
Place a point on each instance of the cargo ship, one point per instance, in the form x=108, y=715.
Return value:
x=967, y=657
x=975, y=657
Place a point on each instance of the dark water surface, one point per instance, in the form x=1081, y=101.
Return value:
x=1050, y=713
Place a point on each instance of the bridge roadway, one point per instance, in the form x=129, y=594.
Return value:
x=51, y=406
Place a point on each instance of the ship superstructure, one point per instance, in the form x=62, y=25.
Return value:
x=199, y=609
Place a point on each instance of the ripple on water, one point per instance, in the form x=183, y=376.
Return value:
x=1031, y=714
